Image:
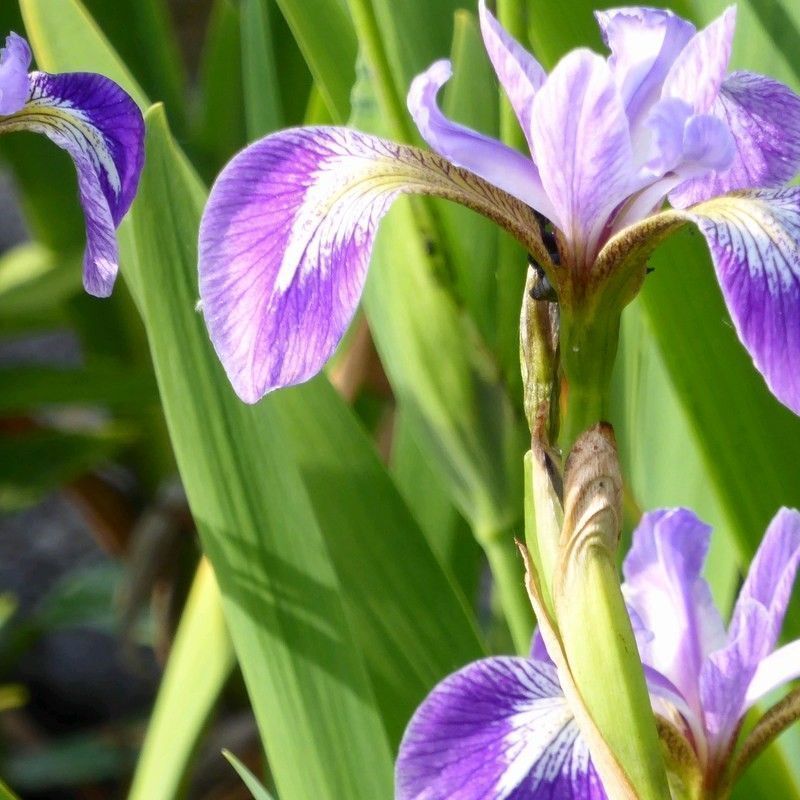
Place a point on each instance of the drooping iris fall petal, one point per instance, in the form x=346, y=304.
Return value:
x=499, y=729
x=102, y=129
x=286, y=238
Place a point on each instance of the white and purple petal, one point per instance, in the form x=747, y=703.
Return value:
x=582, y=147
x=664, y=587
x=15, y=60
x=102, y=129
x=519, y=73
x=644, y=42
x=763, y=117
x=492, y=160
x=699, y=69
x=286, y=237
x=499, y=729
x=753, y=238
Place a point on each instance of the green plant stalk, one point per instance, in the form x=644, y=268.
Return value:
x=510, y=582
x=588, y=349
x=592, y=619
x=604, y=661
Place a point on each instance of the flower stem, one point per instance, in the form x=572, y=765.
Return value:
x=510, y=582
x=588, y=349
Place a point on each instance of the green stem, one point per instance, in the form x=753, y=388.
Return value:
x=588, y=349
x=371, y=42
x=509, y=579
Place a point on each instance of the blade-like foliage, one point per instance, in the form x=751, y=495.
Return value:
x=200, y=661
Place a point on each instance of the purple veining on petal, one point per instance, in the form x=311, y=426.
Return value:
x=487, y=157
x=520, y=74
x=643, y=42
x=582, y=146
x=753, y=243
x=101, y=127
x=499, y=729
x=763, y=117
x=663, y=584
x=284, y=247
x=15, y=60
x=700, y=68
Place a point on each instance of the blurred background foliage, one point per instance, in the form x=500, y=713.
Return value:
x=353, y=524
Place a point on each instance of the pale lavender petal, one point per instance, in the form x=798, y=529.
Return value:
x=664, y=586
x=492, y=160
x=727, y=673
x=643, y=42
x=499, y=729
x=755, y=625
x=582, y=146
x=101, y=127
x=753, y=239
x=700, y=68
x=776, y=670
x=539, y=648
x=772, y=574
x=520, y=74
x=15, y=60
x=763, y=117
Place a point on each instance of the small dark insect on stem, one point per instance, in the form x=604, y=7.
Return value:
x=541, y=288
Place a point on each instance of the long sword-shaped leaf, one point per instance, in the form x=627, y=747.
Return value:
x=200, y=661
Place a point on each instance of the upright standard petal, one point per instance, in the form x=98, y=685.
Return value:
x=700, y=68
x=499, y=729
x=755, y=626
x=519, y=73
x=643, y=42
x=286, y=238
x=492, y=160
x=101, y=127
x=582, y=147
x=15, y=60
x=763, y=117
x=772, y=574
x=753, y=238
x=664, y=586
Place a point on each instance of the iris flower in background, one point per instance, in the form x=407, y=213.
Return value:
x=500, y=728
x=101, y=128
x=286, y=237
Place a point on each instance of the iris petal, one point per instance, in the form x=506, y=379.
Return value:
x=643, y=42
x=519, y=73
x=492, y=160
x=286, y=238
x=663, y=585
x=99, y=125
x=582, y=146
x=755, y=625
x=763, y=116
x=15, y=60
x=700, y=68
x=499, y=729
x=753, y=242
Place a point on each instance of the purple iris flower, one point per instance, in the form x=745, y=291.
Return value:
x=501, y=729
x=286, y=236
x=100, y=127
